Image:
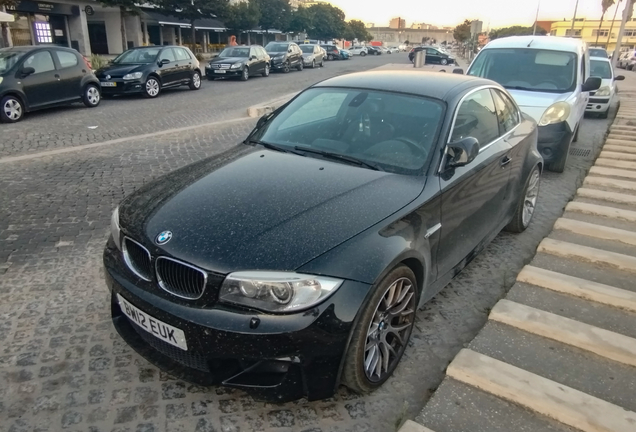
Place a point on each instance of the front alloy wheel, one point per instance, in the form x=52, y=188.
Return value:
x=152, y=88
x=12, y=110
x=195, y=82
x=92, y=97
x=382, y=334
x=245, y=75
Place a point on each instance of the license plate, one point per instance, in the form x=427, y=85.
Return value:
x=108, y=84
x=159, y=329
x=219, y=71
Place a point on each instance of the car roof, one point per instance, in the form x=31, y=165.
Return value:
x=438, y=85
x=27, y=48
x=538, y=42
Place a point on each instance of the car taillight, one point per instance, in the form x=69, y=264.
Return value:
x=88, y=63
x=412, y=49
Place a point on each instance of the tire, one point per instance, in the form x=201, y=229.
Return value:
x=329, y=57
x=355, y=375
x=266, y=71
x=444, y=62
x=313, y=64
x=300, y=66
x=322, y=62
x=526, y=206
x=152, y=88
x=11, y=109
x=286, y=67
x=362, y=54
x=195, y=81
x=92, y=96
x=245, y=74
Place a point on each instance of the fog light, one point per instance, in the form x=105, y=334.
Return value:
x=598, y=107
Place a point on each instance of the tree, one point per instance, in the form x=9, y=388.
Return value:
x=327, y=21
x=462, y=31
x=605, y=4
x=300, y=20
x=514, y=31
x=357, y=30
x=125, y=7
x=425, y=39
x=190, y=10
x=275, y=14
x=242, y=16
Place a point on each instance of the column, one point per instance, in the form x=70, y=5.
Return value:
x=146, y=34
x=78, y=32
x=180, y=40
x=160, y=35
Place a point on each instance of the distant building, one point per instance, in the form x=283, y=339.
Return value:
x=588, y=31
x=394, y=36
x=423, y=26
x=397, y=23
x=545, y=25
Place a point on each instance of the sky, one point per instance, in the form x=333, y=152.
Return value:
x=496, y=13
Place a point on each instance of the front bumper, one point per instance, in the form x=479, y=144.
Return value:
x=281, y=358
x=220, y=73
x=554, y=139
x=122, y=87
x=598, y=104
x=278, y=65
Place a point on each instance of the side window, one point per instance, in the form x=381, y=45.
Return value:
x=476, y=117
x=40, y=61
x=66, y=59
x=507, y=112
x=168, y=54
x=182, y=54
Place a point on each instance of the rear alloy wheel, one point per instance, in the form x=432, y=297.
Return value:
x=266, y=70
x=152, y=87
x=12, y=109
x=245, y=74
x=527, y=204
x=313, y=64
x=329, y=57
x=92, y=96
x=383, y=331
x=195, y=82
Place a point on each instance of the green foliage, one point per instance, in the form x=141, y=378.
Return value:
x=191, y=11
x=301, y=20
x=355, y=29
x=606, y=4
x=242, y=16
x=327, y=21
x=514, y=31
x=275, y=14
x=98, y=62
x=462, y=31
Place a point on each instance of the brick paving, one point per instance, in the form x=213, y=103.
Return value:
x=63, y=366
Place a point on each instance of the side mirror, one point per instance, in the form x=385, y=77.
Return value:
x=462, y=152
x=26, y=71
x=458, y=71
x=164, y=62
x=619, y=78
x=215, y=56
x=592, y=83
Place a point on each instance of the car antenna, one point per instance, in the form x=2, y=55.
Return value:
x=532, y=40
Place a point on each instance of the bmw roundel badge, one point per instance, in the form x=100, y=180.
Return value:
x=163, y=237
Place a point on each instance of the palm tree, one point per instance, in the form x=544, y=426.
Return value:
x=605, y=4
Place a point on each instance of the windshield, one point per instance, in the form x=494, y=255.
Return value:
x=596, y=52
x=8, y=59
x=527, y=69
x=235, y=52
x=276, y=47
x=393, y=131
x=600, y=69
x=307, y=49
x=139, y=55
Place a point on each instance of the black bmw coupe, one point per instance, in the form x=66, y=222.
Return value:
x=296, y=261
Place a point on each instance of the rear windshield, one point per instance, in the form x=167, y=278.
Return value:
x=597, y=52
x=307, y=49
x=601, y=69
x=527, y=69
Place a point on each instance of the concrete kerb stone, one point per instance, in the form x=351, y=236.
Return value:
x=256, y=111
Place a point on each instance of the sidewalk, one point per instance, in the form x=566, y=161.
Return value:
x=559, y=352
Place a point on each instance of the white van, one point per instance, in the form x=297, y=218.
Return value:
x=549, y=77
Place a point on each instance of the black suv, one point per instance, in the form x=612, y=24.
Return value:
x=433, y=55
x=239, y=61
x=148, y=70
x=333, y=52
x=285, y=56
x=36, y=77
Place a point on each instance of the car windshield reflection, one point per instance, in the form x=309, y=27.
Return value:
x=138, y=56
x=8, y=59
x=394, y=132
x=235, y=52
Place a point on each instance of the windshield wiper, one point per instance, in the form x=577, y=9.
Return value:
x=338, y=156
x=519, y=88
x=273, y=147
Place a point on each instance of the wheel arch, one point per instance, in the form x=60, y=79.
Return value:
x=20, y=96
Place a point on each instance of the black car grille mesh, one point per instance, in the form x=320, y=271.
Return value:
x=186, y=358
x=180, y=279
x=138, y=258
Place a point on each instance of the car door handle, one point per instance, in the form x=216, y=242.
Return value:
x=505, y=161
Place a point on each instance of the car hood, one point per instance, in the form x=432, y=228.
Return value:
x=259, y=209
x=229, y=60
x=118, y=71
x=535, y=103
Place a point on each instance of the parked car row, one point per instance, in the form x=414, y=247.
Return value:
x=627, y=61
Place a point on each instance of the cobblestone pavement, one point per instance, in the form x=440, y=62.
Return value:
x=63, y=366
x=134, y=115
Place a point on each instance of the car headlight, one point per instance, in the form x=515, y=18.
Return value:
x=603, y=91
x=556, y=113
x=236, y=65
x=275, y=291
x=115, y=230
x=135, y=75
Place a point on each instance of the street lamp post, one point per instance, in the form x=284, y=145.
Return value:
x=574, y=17
x=536, y=18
